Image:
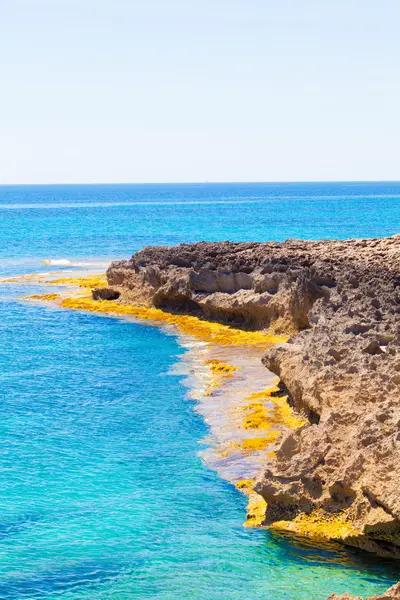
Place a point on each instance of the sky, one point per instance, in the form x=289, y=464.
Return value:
x=210, y=90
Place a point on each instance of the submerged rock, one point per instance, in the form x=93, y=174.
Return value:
x=340, y=301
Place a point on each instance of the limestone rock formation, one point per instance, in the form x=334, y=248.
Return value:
x=392, y=594
x=340, y=302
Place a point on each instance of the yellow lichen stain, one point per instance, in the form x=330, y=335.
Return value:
x=43, y=297
x=89, y=281
x=319, y=525
x=256, y=507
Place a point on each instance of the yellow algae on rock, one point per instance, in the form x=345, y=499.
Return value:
x=257, y=417
x=319, y=525
x=286, y=415
x=216, y=383
x=245, y=485
x=89, y=281
x=256, y=509
x=210, y=389
x=37, y=277
x=205, y=330
x=261, y=416
x=219, y=366
x=256, y=506
x=266, y=419
x=263, y=394
x=264, y=412
x=43, y=297
x=254, y=444
x=221, y=371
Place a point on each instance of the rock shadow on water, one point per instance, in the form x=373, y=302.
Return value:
x=328, y=553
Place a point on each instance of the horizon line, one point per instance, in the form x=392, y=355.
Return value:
x=110, y=183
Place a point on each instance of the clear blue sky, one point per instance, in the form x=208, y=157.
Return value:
x=216, y=90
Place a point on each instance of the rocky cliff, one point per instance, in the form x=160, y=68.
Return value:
x=340, y=302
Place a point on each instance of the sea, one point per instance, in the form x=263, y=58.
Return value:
x=105, y=491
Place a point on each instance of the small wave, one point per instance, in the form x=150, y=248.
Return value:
x=64, y=262
x=228, y=200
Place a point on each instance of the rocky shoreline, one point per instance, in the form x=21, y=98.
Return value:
x=340, y=302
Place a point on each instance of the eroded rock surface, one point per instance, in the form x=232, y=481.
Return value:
x=250, y=284
x=392, y=594
x=340, y=301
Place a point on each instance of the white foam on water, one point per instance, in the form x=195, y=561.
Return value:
x=223, y=409
x=62, y=262
x=65, y=262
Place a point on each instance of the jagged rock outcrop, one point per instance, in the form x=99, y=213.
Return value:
x=392, y=594
x=340, y=301
x=239, y=283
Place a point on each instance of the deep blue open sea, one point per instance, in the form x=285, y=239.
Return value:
x=102, y=492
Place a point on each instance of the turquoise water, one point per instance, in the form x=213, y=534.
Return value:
x=102, y=492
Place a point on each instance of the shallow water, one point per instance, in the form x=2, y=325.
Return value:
x=104, y=488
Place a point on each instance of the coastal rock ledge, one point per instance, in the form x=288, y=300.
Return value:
x=340, y=303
